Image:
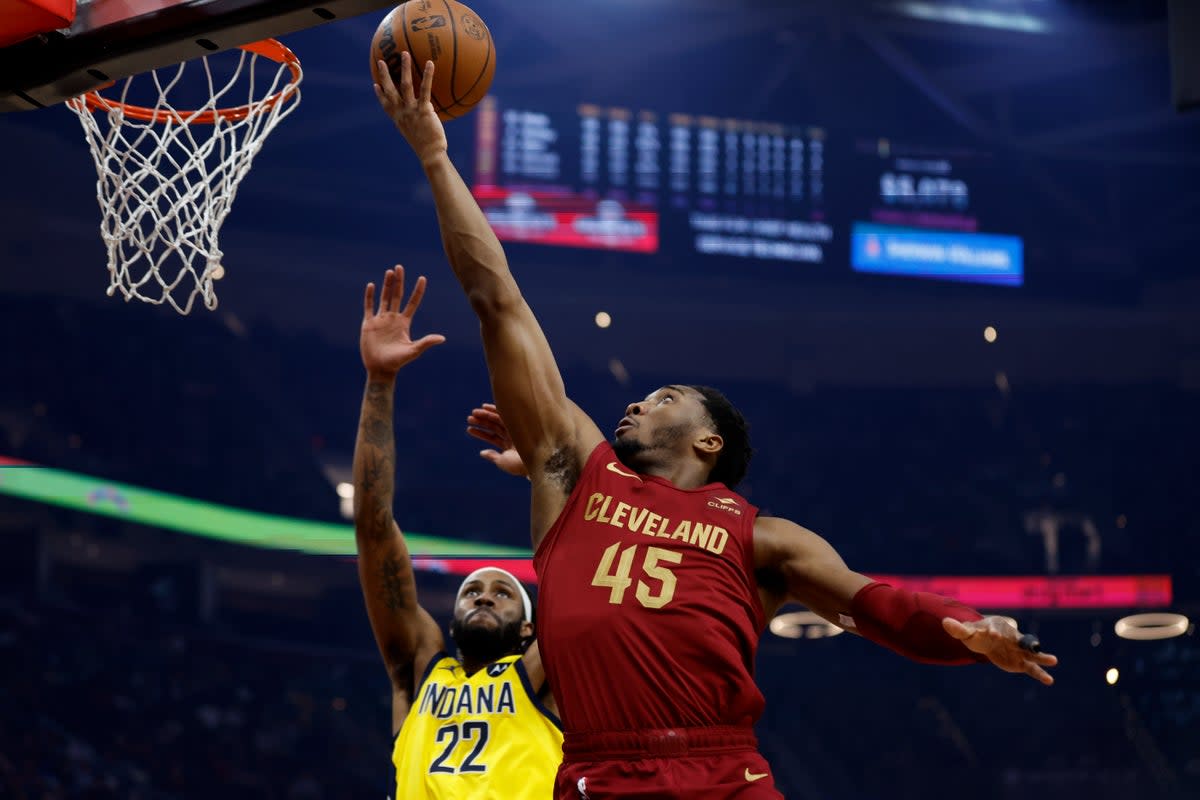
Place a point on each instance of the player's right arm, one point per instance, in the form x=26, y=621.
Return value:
x=552, y=434
x=405, y=632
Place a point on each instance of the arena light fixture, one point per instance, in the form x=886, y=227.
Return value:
x=974, y=15
x=803, y=625
x=1148, y=627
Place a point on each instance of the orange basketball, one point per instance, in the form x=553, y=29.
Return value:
x=447, y=33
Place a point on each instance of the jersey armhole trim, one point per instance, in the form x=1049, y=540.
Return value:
x=751, y=573
x=429, y=668
x=534, y=697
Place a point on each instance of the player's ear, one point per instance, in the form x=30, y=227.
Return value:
x=526, y=629
x=709, y=443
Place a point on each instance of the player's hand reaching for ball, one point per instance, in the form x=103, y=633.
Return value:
x=487, y=425
x=1000, y=642
x=386, y=339
x=413, y=113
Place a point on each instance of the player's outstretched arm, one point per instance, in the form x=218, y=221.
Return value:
x=919, y=625
x=405, y=632
x=552, y=435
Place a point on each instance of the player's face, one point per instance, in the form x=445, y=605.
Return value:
x=489, y=600
x=664, y=420
x=489, y=617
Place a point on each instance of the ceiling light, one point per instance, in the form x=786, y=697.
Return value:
x=1148, y=627
x=803, y=625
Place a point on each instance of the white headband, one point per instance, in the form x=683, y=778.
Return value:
x=511, y=577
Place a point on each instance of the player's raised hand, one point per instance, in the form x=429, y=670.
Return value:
x=386, y=339
x=412, y=112
x=1000, y=641
x=487, y=425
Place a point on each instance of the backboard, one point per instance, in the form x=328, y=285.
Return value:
x=113, y=39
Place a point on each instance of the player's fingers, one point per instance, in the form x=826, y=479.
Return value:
x=427, y=82
x=1046, y=660
x=487, y=414
x=428, y=341
x=957, y=629
x=490, y=406
x=414, y=299
x=369, y=301
x=1039, y=674
x=484, y=435
x=383, y=81
x=389, y=286
x=406, y=85
x=398, y=292
x=479, y=422
x=490, y=456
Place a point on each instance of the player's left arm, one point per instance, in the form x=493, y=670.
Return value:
x=918, y=625
x=537, y=677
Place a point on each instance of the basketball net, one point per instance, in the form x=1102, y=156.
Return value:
x=167, y=178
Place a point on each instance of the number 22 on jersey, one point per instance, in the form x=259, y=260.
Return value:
x=619, y=580
x=467, y=731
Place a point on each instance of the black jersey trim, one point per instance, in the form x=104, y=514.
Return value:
x=534, y=697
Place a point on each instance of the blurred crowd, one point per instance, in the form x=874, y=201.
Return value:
x=1007, y=479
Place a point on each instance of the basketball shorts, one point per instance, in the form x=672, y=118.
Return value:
x=716, y=763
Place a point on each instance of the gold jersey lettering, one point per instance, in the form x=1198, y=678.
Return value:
x=716, y=542
x=593, y=507
x=607, y=510
x=637, y=517
x=602, y=516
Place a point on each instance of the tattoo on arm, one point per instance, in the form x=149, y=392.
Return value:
x=397, y=584
x=375, y=464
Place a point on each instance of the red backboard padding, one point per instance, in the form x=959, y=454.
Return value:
x=21, y=19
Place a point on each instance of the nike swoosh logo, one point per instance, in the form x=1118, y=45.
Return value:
x=612, y=467
x=752, y=776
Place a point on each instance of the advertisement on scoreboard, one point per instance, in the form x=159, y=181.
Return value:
x=925, y=212
x=638, y=181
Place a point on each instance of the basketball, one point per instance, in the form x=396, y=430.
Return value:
x=450, y=35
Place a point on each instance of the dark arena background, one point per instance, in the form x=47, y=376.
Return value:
x=943, y=254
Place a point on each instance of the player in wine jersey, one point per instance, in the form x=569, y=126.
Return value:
x=656, y=578
x=472, y=726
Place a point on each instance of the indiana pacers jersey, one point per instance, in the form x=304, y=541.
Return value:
x=485, y=736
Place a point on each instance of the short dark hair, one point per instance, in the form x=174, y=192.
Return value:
x=732, y=427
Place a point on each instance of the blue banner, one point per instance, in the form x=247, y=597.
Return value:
x=971, y=257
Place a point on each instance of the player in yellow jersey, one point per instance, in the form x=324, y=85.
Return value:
x=479, y=725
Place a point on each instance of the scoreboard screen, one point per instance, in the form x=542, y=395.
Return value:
x=928, y=212
x=693, y=185
x=640, y=181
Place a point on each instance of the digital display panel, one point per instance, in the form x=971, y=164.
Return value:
x=931, y=212
x=644, y=182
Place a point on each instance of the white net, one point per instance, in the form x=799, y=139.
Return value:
x=167, y=178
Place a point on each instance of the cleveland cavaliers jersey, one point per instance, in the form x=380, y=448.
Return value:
x=647, y=591
x=484, y=736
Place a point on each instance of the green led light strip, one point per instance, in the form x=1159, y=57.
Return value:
x=199, y=518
